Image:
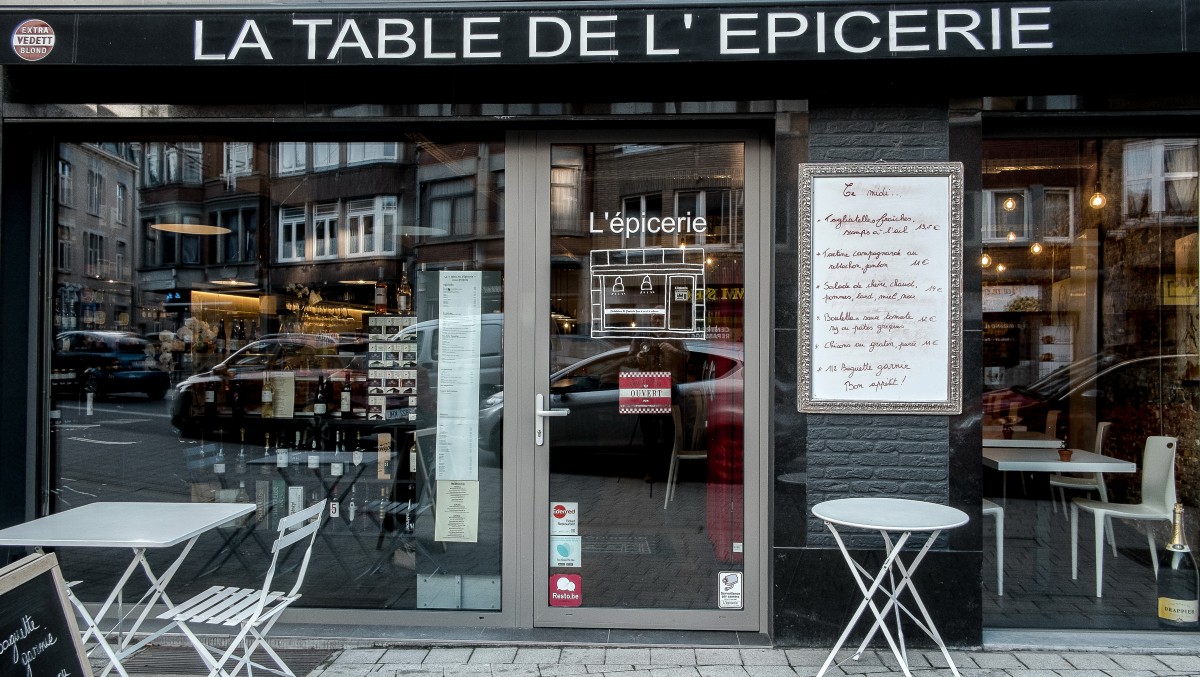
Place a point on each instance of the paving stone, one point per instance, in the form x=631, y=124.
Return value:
x=1090, y=661
x=1181, y=663
x=627, y=656
x=671, y=656
x=360, y=656
x=718, y=657
x=448, y=655
x=582, y=655
x=493, y=654
x=1040, y=660
x=538, y=655
x=764, y=657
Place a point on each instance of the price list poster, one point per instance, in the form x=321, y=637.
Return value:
x=880, y=302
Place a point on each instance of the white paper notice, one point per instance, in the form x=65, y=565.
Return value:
x=459, y=295
x=457, y=512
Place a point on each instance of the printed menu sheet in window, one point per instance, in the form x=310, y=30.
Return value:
x=880, y=301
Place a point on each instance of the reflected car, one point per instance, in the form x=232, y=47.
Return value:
x=1116, y=385
x=710, y=395
x=106, y=363
x=232, y=391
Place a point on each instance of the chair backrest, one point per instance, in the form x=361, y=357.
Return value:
x=298, y=528
x=682, y=447
x=1101, y=431
x=1158, y=473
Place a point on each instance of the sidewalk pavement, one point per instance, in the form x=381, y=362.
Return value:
x=534, y=661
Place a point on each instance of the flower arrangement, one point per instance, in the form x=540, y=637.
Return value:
x=306, y=298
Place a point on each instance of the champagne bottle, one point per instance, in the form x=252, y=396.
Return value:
x=381, y=288
x=1178, y=581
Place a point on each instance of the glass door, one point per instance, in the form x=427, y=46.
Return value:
x=641, y=508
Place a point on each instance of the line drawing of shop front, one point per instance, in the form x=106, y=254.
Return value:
x=655, y=293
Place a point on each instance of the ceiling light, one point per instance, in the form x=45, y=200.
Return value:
x=1010, y=203
x=1012, y=236
x=1036, y=248
x=985, y=260
x=1097, y=200
x=191, y=228
x=1000, y=267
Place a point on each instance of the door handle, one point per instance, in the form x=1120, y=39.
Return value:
x=541, y=418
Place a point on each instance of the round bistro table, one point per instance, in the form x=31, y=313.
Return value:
x=896, y=519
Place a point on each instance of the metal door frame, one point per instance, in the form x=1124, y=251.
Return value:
x=527, y=372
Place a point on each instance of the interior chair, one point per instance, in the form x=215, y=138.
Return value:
x=1084, y=481
x=1157, y=504
x=994, y=510
x=687, y=447
x=253, y=610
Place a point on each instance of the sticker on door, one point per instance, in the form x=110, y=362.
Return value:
x=566, y=590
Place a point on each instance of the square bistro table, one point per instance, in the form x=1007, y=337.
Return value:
x=898, y=519
x=135, y=525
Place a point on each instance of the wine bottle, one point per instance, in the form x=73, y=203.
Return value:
x=222, y=338
x=1178, y=580
x=321, y=406
x=381, y=287
x=403, y=292
x=268, y=398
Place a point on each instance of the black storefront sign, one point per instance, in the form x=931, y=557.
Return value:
x=532, y=34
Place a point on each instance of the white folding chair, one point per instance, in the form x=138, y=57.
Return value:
x=684, y=451
x=993, y=509
x=1084, y=482
x=254, y=610
x=1157, y=504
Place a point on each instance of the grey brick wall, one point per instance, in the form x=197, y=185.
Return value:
x=900, y=456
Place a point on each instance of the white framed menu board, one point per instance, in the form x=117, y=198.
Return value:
x=880, y=300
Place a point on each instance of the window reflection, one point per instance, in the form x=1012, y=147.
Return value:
x=304, y=329
x=1090, y=317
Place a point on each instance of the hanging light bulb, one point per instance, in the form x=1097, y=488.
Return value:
x=1012, y=236
x=1000, y=267
x=1097, y=200
x=1010, y=203
x=1036, y=248
x=985, y=260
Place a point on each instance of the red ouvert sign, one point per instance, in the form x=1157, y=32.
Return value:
x=645, y=392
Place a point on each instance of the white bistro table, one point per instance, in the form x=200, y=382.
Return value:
x=135, y=525
x=1030, y=439
x=896, y=519
x=1027, y=459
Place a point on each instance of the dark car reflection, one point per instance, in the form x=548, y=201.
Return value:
x=105, y=363
x=1109, y=385
x=709, y=395
x=318, y=368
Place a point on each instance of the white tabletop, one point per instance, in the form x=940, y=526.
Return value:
x=1047, y=460
x=123, y=525
x=1023, y=438
x=890, y=514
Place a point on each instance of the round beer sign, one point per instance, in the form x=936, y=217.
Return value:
x=33, y=40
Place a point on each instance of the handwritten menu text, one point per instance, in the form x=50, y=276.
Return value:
x=880, y=278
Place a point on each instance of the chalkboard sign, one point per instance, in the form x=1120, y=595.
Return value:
x=880, y=301
x=38, y=634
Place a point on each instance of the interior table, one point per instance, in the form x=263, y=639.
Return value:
x=896, y=519
x=1027, y=459
x=1023, y=438
x=136, y=525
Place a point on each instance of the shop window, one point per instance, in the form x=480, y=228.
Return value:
x=1160, y=178
x=1058, y=215
x=190, y=249
x=291, y=234
x=325, y=231
x=191, y=157
x=359, y=152
x=66, y=192
x=95, y=182
x=292, y=158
